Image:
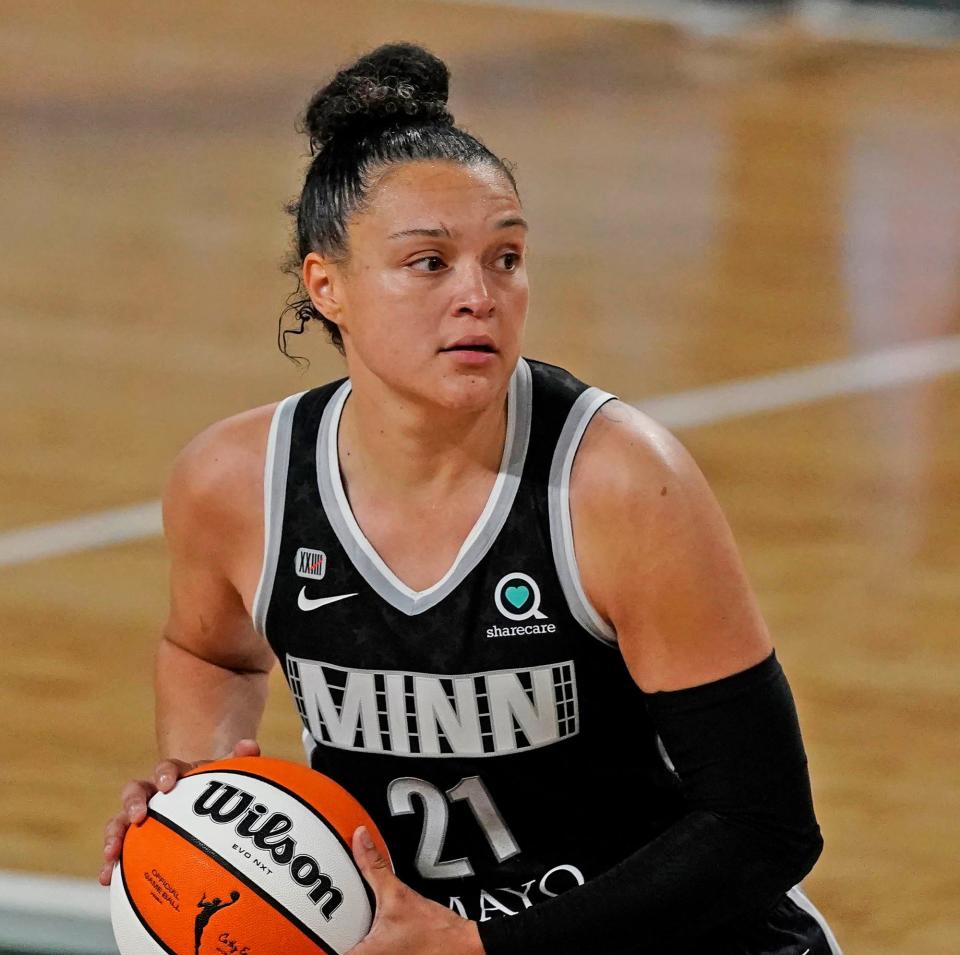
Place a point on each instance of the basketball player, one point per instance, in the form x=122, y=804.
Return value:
x=207, y=912
x=507, y=604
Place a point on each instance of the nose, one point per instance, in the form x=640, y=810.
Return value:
x=474, y=297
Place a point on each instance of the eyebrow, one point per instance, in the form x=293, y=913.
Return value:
x=437, y=233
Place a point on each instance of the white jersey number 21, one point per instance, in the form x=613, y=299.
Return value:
x=436, y=813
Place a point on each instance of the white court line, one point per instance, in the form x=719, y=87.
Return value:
x=669, y=10
x=37, y=894
x=55, y=914
x=81, y=533
x=693, y=15
x=858, y=374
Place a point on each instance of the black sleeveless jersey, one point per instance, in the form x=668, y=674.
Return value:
x=488, y=724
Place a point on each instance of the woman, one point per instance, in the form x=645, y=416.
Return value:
x=507, y=604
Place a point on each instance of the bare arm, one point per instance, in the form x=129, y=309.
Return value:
x=204, y=709
x=212, y=667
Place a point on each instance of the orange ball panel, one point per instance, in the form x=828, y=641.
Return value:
x=189, y=886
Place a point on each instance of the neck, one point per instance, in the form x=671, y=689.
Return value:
x=403, y=447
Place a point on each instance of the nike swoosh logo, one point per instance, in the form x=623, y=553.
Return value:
x=308, y=603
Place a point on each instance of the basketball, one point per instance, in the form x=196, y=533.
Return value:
x=247, y=854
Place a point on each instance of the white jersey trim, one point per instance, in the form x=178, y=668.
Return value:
x=797, y=895
x=275, y=466
x=361, y=552
x=309, y=745
x=561, y=525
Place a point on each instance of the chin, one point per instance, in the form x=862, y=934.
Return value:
x=471, y=390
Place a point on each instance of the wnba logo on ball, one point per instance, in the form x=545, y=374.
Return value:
x=517, y=597
x=226, y=804
x=207, y=911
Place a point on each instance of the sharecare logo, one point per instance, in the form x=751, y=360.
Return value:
x=517, y=597
x=226, y=804
x=521, y=631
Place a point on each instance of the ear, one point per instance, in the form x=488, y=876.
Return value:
x=322, y=280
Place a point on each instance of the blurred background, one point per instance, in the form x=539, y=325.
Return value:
x=745, y=219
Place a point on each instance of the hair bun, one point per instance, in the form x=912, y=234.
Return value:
x=397, y=84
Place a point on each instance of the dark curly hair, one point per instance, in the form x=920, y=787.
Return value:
x=388, y=107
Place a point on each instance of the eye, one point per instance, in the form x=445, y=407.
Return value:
x=426, y=258
x=436, y=258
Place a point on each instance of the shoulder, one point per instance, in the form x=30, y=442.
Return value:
x=636, y=494
x=627, y=462
x=217, y=476
x=622, y=450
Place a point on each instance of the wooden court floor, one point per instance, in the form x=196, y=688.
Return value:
x=700, y=213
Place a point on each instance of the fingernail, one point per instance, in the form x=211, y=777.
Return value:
x=165, y=780
x=367, y=841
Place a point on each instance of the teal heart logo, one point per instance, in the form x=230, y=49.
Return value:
x=517, y=596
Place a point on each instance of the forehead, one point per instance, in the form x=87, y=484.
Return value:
x=422, y=193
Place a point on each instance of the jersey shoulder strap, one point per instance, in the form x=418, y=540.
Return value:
x=563, y=407
x=291, y=443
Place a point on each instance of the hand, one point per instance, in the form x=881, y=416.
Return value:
x=135, y=795
x=406, y=923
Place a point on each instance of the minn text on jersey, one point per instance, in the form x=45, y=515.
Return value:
x=490, y=713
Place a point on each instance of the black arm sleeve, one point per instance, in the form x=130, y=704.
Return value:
x=749, y=833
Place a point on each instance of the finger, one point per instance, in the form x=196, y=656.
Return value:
x=167, y=772
x=134, y=799
x=105, y=874
x=374, y=867
x=113, y=837
x=246, y=747
x=111, y=851
x=114, y=828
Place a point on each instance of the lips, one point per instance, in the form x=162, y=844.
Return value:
x=473, y=343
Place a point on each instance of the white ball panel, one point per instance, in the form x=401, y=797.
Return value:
x=132, y=938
